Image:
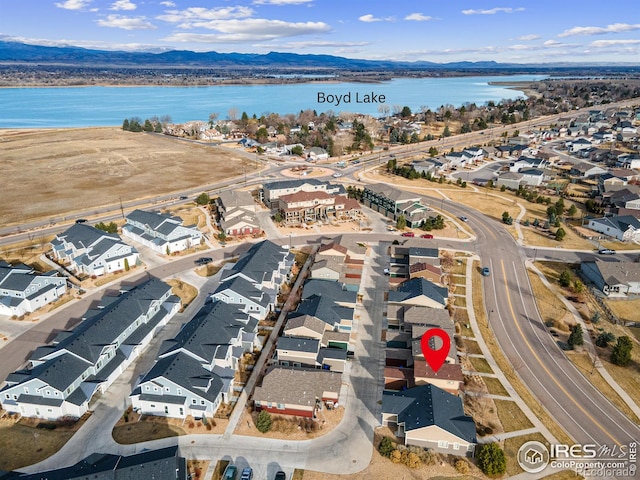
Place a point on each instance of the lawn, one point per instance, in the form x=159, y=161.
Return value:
x=185, y=291
x=625, y=309
x=459, y=301
x=506, y=367
x=42, y=442
x=137, y=432
x=551, y=308
x=585, y=365
x=534, y=237
x=511, y=446
x=563, y=475
x=480, y=364
x=495, y=387
x=65, y=165
x=471, y=347
x=511, y=416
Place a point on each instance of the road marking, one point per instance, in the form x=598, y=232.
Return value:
x=549, y=374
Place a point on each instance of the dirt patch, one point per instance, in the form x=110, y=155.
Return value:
x=78, y=169
x=185, y=291
x=286, y=427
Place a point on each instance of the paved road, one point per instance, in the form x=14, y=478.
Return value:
x=586, y=415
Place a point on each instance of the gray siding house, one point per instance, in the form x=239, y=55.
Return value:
x=613, y=278
x=23, y=291
x=162, y=233
x=63, y=376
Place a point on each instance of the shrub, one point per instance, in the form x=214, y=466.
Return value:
x=462, y=467
x=209, y=427
x=386, y=447
x=396, y=456
x=411, y=460
x=191, y=425
x=263, y=422
x=621, y=353
x=491, y=459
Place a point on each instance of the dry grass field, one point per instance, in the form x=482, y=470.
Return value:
x=58, y=171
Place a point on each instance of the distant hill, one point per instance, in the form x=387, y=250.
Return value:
x=16, y=52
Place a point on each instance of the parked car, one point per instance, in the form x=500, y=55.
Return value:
x=183, y=197
x=203, y=261
x=408, y=234
x=337, y=175
x=426, y=235
x=486, y=272
x=387, y=271
x=247, y=474
x=463, y=218
x=606, y=251
x=230, y=472
x=81, y=220
x=280, y=476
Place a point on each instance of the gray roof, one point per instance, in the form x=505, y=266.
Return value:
x=621, y=223
x=246, y=289
x=298, y=344
x=297, y=386
x=324, y=309
x=258, y=262
x=212, y=328
x=92, y=335
x=234, y=199
x=282, y=184
x=618, y=273
x=423, y=252
x=186, y=371
x=417, y=287
x=162, y=464
x=331, y=354
x=160, y=222
x=83, y=235
x=61, y=371
x=429, y=405
x=392, y=193
x=333, y=290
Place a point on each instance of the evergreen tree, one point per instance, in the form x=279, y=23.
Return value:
x=621, y=353
x=575, y=339
x=491, y=459
x=263, y=422
x=565, y=279
x=126, y=265
x=560, y=234
x=386, y=447
x=125, y=124
x=401, y=224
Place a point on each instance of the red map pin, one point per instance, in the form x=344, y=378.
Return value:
x=435, y=358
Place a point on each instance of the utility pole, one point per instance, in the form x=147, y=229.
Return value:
x=121, y=207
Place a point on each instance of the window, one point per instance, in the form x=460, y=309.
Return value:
x=26, y=390
x=456, y=445
x=166, y=409
x=7, y=396
x=443, y=444
x=48, y=392
x=193, y=401
x=152, y=406
x=281, y=406
x=147, y=388
x=179, y=391
x=155, y=389
x=181, y=411
x=201, y=402
x=167, y=389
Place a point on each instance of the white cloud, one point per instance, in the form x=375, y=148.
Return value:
x=248, y=30
x=310, y=44
x=613, y=28
x=281, y=2
x=492, y=11
x=526, y=38
x=611, y=43
x=73, y=4
x=368, y=18
x=100, y=45
x=168, y=4
x=126, y=23
x=194, y=15
x=418, y=17
x=123, y=5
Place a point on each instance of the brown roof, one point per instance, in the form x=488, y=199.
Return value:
x=303, y=196
x=349, y=203
x=448, y=371
x=312, y=323
x=297, y=386
x=433, y=317
x=332, y=246
x=421, y=266
x=331, y=336
x=399, y=373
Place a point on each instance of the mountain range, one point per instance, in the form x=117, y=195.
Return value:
x=22, y=53
x=15, y=52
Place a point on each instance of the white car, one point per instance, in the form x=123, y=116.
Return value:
x=337, y=175
x=463, y=218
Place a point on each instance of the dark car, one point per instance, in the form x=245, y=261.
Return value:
x=81, y=220
x=280, y=476
x=486, y=272
x=183, y=197
x=230, y=472
x=203, y=260
x=606, y=251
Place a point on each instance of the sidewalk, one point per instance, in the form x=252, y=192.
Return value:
x=538, y=425
x=588, y=344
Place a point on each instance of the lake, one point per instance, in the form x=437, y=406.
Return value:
x=109, y=106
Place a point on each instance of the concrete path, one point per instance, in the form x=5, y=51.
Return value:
x=503, y=436
x=588, y=344
x=539, y=426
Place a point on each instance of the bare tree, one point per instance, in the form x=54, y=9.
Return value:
x=232, y=114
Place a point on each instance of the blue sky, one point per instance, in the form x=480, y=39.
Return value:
x=528, y=31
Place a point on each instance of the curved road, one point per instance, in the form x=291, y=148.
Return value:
x=584, y=413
